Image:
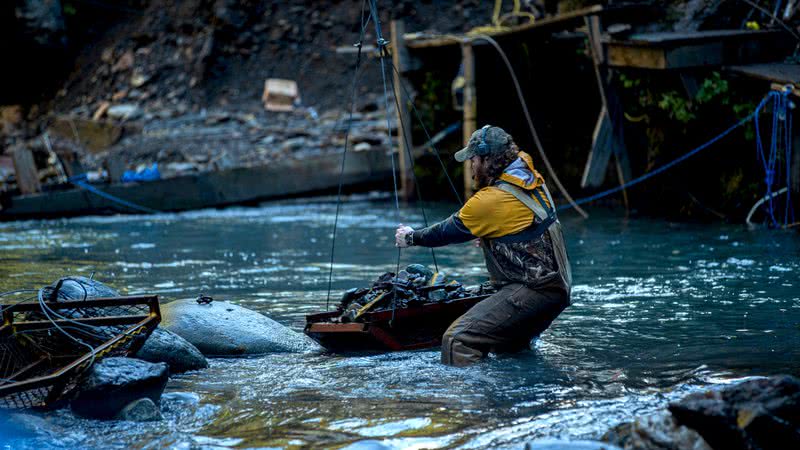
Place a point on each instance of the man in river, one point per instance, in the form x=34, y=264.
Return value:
x=514, y=217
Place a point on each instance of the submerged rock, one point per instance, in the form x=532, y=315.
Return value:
x=167, y=347
x=113, y=383
x=762, y=413
x=77, y=288
x=220, y=328
x=141, y=410
x=550, y=444
x=655, y=432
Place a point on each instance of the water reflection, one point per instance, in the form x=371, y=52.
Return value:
x=658, y=310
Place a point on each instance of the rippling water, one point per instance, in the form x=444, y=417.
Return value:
x=659, y=310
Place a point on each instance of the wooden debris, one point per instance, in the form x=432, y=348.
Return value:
x=25, y=170
x=280, y=95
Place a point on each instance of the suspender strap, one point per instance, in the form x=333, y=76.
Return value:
x=546, y=215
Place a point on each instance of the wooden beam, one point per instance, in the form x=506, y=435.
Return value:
x=470, y=109
x=25, y=171
x=404, y=141
x=662, y=51
x=608, y=135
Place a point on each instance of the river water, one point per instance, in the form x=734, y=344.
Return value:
x=659, y=310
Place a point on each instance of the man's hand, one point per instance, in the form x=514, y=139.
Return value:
x=402, y=237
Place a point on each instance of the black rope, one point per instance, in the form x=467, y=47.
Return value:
x=406, y=127
x=381, y=45
x=360, y=45
x=407, y=95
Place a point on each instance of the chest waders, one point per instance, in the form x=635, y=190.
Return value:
x=547, y=223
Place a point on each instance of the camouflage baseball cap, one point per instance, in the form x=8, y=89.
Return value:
x=483, y=142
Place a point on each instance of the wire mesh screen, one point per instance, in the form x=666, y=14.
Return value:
x=46, y=346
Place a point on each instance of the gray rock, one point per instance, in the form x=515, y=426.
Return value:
x=141, y=410
x=125, y=111
x=761, y=413
x=167, y=347
x=224, y=329
x=113, y=383
x=555, y=444
x=658, y=431
x=78, y=288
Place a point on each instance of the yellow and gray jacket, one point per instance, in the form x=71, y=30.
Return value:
x=517, y=224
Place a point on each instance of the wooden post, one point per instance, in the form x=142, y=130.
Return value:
x=25, y=171
x=404, y=143
x=608, y=137
x=470, y=108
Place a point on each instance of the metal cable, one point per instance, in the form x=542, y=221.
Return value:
x=344, y=153
x=427, y=135
x=406, y=127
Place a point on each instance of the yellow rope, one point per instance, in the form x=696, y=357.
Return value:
x=498, y=20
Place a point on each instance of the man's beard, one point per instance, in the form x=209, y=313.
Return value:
x=480, y=179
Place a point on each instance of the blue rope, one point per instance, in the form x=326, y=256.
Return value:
x=112, y=198
x=752, y=116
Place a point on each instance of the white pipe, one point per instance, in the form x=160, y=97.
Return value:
x=761, y=202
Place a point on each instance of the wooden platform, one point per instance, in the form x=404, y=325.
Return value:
x=775, y=73
x=702, y=48
x=209, y=189
x=561, y=22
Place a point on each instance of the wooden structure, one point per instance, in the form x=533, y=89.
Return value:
x=41, y=366
x=609, y=136
x=677, y=50
x=241, y=185
x=25, y=170
x=409, y=328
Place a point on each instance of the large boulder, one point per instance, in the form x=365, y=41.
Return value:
x=113, y=383
x=220, y=328
x=77, y=288
x=167, y=347
x=756, y=414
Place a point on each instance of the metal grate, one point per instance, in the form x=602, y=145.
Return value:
x=45, y=349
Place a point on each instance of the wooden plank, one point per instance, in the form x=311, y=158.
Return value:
x=470, y=113
x=404, y=141
x=558, y=22
x=594, y=172
x=608, y=135
x=662, y=51
x=640, y=57
x=775, y=72
x=25, y=171
x=336, y=328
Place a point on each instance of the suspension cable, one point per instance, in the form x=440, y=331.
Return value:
x=408, y=98
x=407, y=128
x=381, y=45
x=360, y=46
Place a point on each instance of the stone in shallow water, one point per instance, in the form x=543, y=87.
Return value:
x=113, y=383
x=220, y=328
x=550, y=444
x=142, y=410
x=167, y=347
x=761, y=413
x=655, y=432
